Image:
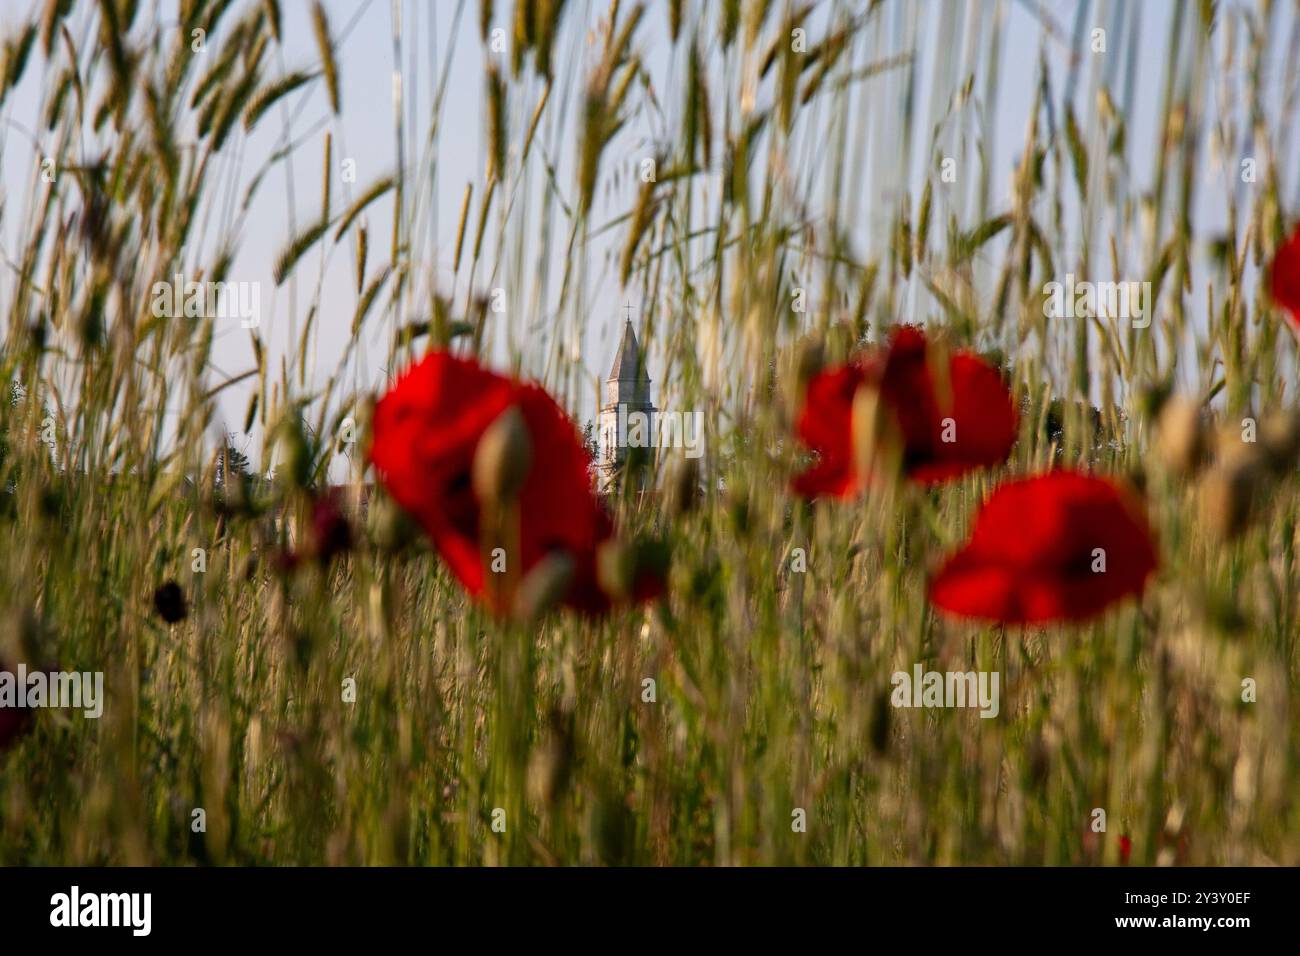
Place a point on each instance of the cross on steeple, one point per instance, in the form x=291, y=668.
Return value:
x=629, y=366
x=628, y=309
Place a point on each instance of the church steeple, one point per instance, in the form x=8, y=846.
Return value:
x=628, y=366
x=628, y=382
x=626, y=397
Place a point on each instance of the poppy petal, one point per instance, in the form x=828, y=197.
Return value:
x=1056, y=547
x=972, y=426
x=825, y=427
x=1284, y=282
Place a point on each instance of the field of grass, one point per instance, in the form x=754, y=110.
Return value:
x=800, y=203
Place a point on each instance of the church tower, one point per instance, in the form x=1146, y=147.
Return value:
x=627, y=393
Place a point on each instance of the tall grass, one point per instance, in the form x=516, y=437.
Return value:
x=785, y=172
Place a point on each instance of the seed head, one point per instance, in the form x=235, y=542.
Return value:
x=502, y=459
x=1180, y=436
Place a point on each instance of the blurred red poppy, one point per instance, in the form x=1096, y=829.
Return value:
x=1125, y=848
x=1284, y=282
x=946, y=425
x=426, y=431
x=330, y=531
x=1056, y=547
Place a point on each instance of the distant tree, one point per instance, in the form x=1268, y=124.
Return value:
x=231, y=463
x=1097, y=437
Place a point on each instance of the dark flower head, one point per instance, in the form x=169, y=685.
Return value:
x=169, y=602
x=14, y=720
x=1056, y=547
x=939, y=416
x=331, y=533
x=285, y=561
x=427, y=432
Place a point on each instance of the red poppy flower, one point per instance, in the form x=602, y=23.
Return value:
x=1125, y=848
x=946, y=428
x=1284, y=283
x=1059, y=546
x=426, y=430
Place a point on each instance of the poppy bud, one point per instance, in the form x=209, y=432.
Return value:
x=1228, y=493
x=390, y=527
x=502, y=459
x=1232, y=447
x=938, y=359
x=809, y=360
x=877, y=442
x=544, y=586
x=549, y=769
x=23, y=635
x=1279, y=436
x=615, y=568
x=1180, y=436
x=296, y=451
x=1151, y=401
x=685, y=487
